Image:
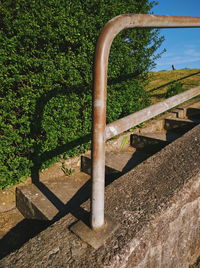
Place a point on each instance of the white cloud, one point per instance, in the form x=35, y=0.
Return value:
x=192, y=52
x=195, y=45
x=187, y=54
x=177, y=60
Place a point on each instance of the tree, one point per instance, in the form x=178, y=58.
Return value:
x=46, y=57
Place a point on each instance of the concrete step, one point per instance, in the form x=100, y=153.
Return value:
x=179, y=112
x=193, y=113
x=179, y=125
x=117, y=163
x=50, y=200
x=123, y=161
x=154, y=141
x=187, y=112
x=173, y=128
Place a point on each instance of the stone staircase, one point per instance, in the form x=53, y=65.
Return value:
x=148, y=142
x=51, y=199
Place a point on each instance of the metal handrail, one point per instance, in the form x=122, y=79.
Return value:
x=100, y=132
x=132, y=120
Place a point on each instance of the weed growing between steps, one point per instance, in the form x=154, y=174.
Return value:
x=67, y=171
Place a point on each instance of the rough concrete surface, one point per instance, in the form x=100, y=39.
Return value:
x=157, y=206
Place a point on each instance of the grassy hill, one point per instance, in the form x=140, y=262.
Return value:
x=160, y=82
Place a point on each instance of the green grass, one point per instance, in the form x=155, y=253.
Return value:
x=160, y=82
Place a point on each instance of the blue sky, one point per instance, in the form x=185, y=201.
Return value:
x=182, y=45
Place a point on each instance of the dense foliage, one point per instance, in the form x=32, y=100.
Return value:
x=46, y=57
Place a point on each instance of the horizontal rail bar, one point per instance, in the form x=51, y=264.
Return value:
x=108, y=33
x=132, y=120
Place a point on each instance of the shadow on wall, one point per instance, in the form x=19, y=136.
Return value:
x=38, y=158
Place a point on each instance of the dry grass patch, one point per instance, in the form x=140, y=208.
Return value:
x=160, y=82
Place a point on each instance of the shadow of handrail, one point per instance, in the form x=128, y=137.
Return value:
x=27, y=229
x=36, y=157
x=38, y=160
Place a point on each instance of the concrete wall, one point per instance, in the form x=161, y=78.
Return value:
x=172, y=238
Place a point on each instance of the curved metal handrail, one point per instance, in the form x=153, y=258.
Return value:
x=108, y=33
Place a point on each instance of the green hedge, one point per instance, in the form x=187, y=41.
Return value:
x=46, y=57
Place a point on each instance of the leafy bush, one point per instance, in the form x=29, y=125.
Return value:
x=46, y=57
x=174, y=89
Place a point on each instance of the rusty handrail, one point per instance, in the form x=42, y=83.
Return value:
x=108, y=33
